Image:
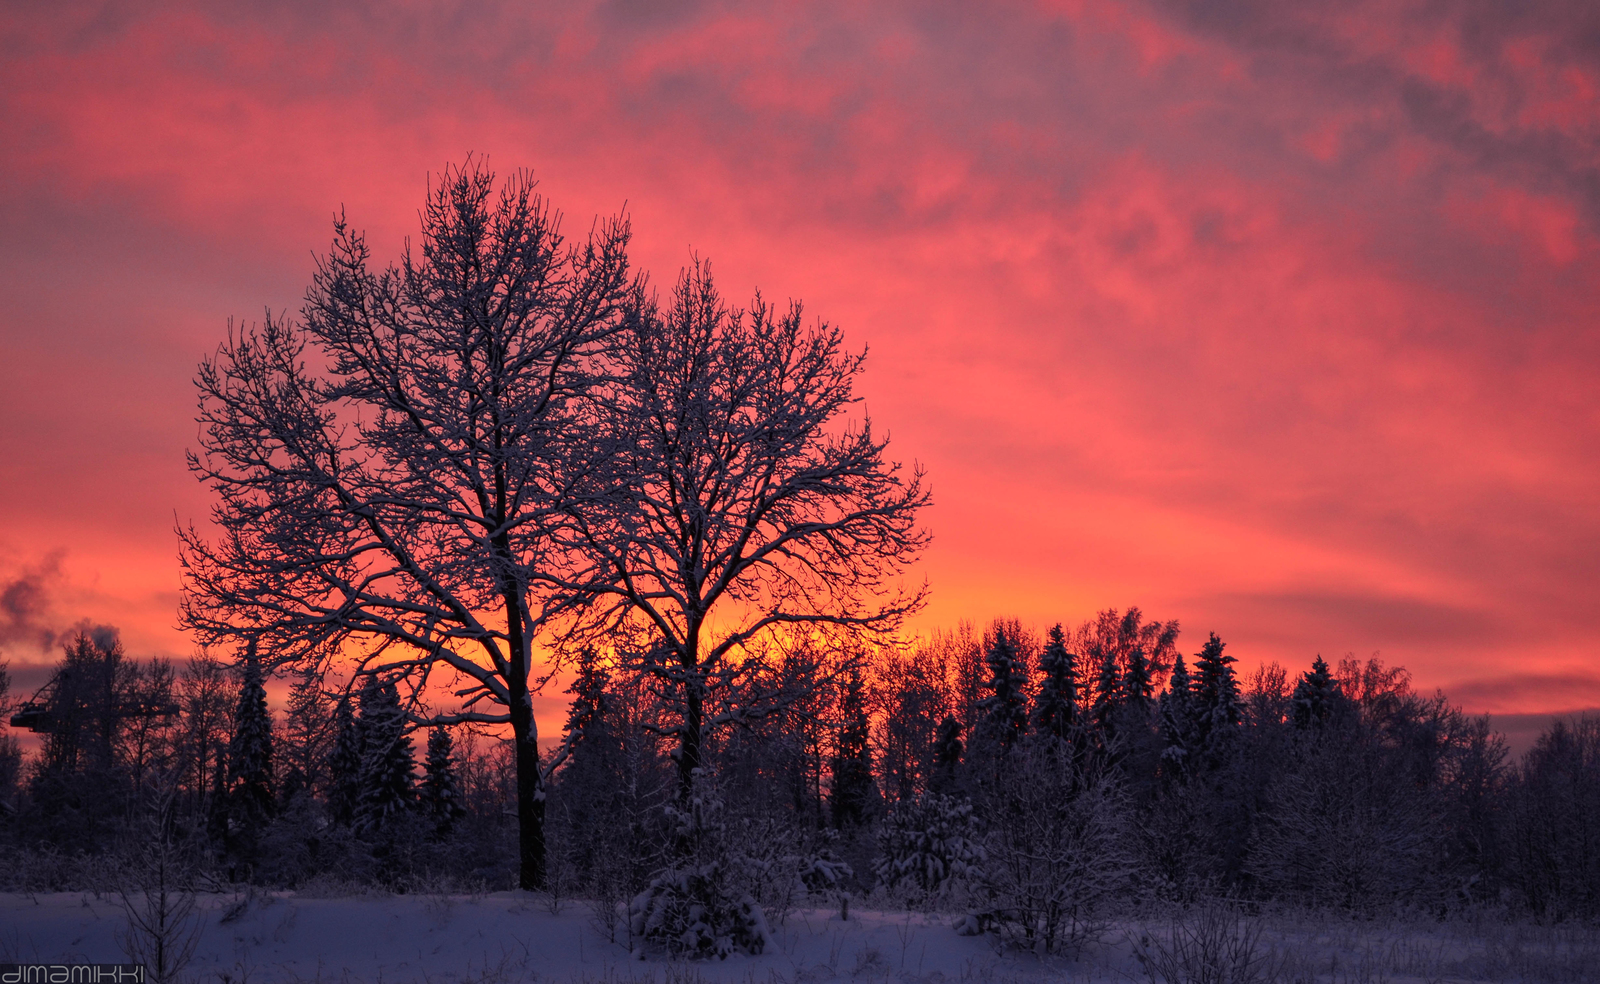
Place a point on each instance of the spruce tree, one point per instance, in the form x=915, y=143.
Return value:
x=1177, y=721
x=344, y=765
x=852, y=765
x=1056, y=709
x=588, y=713
x=947, y=751
x=250, y=787
x=387, y=779
x=1107, y=695
x=440, y=795
x=1314, y=696
x=1137, y=687
x=594, y=800
x=1216, y=700
x=1003, y=713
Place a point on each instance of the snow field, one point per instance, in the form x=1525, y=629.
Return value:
x=507, y=937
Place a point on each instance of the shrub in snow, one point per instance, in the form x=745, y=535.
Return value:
x=1346, y=829
x=696, y=907
x=1058, y=852
x=163, y=919
x=823, y=875
x=782, y=863
x=1212, y=945
x=691, y=911
x=928, y=845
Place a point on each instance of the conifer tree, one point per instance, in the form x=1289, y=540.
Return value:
x=1107, y=694
x=852, y=765
x=440, y=794
x=587, y=715
x=1056, y=709
x=1137, y=687
x=1216, y=699
x=307, y=733
x=344, y=765
x=250, y=782
x=387, y=780
x=595, y=803
x=947, y=751
x=1003, y=714
x=1177, y=721
x=1314, y=696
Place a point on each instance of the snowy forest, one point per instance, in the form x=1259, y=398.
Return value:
x=1035, y=786
x=506, y=469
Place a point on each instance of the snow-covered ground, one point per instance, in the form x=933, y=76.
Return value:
x=512, y=936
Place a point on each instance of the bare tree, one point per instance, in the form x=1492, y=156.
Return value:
x=206, y=696
x=1059, y=852
x=164, y=920
x=743, y=502
x=386, y=468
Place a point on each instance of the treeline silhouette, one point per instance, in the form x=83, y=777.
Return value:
x=1034, y=784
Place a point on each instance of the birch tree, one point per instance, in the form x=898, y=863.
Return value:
x=385, y=467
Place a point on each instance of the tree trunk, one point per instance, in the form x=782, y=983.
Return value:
x=525, y=734
x=689, y=751
x=693, y=713
x=530, y=790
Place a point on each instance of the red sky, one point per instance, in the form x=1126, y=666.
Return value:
x=1277, y=319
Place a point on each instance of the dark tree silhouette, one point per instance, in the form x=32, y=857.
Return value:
x=1056, y=708
x=1177, y=721
x=743, y=503
x=1107, y=698
x=397, y=500
x=251, y=790
x=852, y=763
x=1216, y=699
x=911, y=691
x=1137, y=687
x=344, y=765
x=207, y=699
x=439, y=795
x=1315, y=696
x=1115, y=635
x=388, y=782
x=1003, y=711
x=307, y=738
x=946, y=756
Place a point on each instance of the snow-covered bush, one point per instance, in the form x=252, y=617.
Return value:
x=692, y=911
x=928, y=845
x=1059, y=853
x=1346, y=829
x=822, y=875
x=697, y=907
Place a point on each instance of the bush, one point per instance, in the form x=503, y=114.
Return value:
x=696, y=906
x=929, y=845
x=1058, y=853
x=1209, y=944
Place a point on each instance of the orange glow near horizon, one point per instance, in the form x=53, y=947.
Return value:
x=1278, y=322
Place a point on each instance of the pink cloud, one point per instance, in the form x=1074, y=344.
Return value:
x=1282, y=332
